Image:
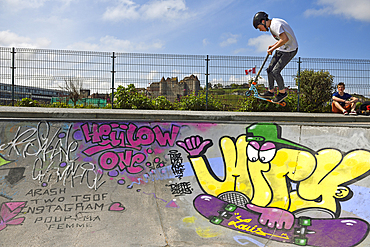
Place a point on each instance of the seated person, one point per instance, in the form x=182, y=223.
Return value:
x=343, y=102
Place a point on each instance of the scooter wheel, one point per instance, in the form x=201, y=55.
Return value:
x=248, y=93
x=283, y=103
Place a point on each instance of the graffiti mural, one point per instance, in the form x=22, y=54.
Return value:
x=243, y=185
x=256, y=195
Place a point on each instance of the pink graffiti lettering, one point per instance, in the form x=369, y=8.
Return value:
x=124, y=160
x=163, y=139
x=140, y=136
x=109, y=136
x=96, y=149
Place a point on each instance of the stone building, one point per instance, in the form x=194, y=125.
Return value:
x=173, y=89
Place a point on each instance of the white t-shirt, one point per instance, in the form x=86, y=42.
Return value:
x=279, y=26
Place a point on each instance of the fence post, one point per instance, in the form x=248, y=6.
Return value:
x=13, y=68
x=113, y=72
x=299, y=81
x=207, y=60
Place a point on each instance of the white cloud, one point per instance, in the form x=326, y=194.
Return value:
x=164, y=9
x=8, y=38
x=238, y=80
x=110, y=43
x=23, y=4
x=262, y=42
x=167, y=9
x=16, y=5
x=126, y=9
x=205, y=42
x=356, y=9
x=217, y=81
x=152, y=75
x=240, y=50
x=229, y=39
x=85, y=46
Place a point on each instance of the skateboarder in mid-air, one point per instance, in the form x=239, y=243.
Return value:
x=286, y=48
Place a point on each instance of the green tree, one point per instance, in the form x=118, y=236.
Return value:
x=316, y=91
x=130, y=98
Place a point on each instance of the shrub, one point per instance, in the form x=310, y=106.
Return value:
x=60, y=105
x=27, y=102
x=162, y=103
x=199, y=103
x=129, y=98
x=316, y=91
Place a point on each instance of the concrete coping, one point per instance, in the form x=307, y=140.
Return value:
x=39, y=113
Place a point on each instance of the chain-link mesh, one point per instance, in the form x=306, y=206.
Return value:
x=50, y=75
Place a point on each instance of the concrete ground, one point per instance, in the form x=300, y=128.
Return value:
x=39, y=113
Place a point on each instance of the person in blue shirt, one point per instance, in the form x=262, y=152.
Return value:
x=343, y=102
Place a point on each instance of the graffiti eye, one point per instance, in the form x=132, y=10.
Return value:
x=267, y=155
x=252, y=153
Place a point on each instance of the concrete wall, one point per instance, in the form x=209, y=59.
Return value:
x=146, y=183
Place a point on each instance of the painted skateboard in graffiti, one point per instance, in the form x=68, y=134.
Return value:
x=304, y=232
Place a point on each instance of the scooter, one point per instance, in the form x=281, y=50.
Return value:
x=253, y=87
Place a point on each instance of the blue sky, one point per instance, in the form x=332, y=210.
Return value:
x=324, y=28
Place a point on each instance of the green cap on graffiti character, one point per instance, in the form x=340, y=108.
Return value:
x=270, y=132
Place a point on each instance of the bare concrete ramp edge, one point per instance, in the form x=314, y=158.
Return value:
x=167, y=115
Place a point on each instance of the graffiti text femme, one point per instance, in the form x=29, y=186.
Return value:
x=128, y=136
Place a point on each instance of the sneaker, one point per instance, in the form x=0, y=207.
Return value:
x=353, y=113
x=280, y=97
x=345, y=112
x=267, y=94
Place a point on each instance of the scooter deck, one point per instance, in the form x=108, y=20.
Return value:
x=282, y=103
x=256, y=95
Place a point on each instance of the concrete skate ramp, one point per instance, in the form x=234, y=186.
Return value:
x=74, y=177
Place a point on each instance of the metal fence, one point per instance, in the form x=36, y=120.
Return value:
x=44, y=74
